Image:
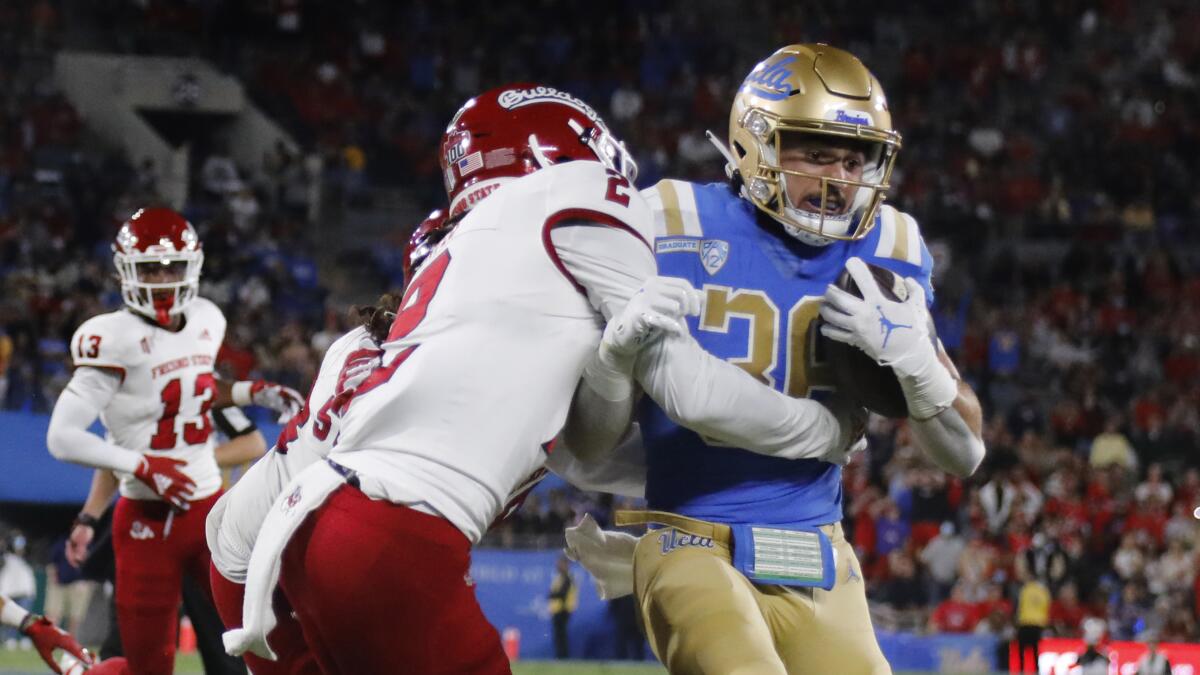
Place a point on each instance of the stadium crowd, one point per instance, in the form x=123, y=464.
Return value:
x=1048, y=153
x=62, y=198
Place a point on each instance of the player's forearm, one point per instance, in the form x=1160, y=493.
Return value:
x=602, y=408
x=69, y=440
x=620, y=472
x=224, y=397
x=953, y=438
x=100, y=494
x=721, y=401
x=595, y=426
x=240, y=450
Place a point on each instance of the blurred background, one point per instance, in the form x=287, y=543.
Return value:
x=1051, y=154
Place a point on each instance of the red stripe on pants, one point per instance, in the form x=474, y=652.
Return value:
x=286, y=639
x=151, y=563
x=381, y=588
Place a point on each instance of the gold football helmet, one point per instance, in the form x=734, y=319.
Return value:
x=819, y=90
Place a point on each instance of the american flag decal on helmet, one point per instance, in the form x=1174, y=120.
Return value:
x=470, y=164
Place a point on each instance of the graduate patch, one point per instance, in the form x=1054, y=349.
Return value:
x=677, y=245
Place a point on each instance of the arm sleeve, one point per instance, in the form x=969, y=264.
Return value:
x=611, y=264
x=718, y=400
x=696, y=389
x=68, y=438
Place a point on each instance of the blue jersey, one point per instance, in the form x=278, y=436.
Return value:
x=762, y=292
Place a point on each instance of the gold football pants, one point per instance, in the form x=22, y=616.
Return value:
x=702, y=616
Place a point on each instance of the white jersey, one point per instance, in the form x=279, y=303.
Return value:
x=486, y=351
x=234, y=521
x=167, y=388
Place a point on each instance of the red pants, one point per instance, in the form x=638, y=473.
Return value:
x=286, y=639
x=151, y=562
x=381, y=588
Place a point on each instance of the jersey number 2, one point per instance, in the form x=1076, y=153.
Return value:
x=194, y=433
x=617, y=183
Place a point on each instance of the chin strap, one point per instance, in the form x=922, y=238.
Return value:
x=731, y=170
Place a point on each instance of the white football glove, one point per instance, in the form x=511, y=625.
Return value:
x=282, y=399
x=657, y=308
x=894, y=334
x=606, y=555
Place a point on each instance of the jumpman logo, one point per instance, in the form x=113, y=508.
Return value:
x=852, y=574
x=886, y=326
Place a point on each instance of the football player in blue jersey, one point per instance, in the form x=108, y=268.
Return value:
x=746, y=569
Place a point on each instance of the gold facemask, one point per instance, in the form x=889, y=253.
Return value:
x=822, y=91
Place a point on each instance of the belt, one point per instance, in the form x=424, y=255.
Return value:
x=718, y=532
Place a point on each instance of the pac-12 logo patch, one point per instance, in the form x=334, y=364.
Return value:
x=713, y=254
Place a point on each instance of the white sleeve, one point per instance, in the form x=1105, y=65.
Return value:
x=696, y=389
x=717, y=399
x=80, y=403
x=611, y=264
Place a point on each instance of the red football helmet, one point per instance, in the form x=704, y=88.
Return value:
x=158, y=258
x=422, y=241
x=510, y=131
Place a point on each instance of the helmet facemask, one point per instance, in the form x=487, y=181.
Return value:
x=159, y=285
x=611, y=152
x=758, y=143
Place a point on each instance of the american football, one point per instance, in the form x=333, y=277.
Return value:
x=858, y=376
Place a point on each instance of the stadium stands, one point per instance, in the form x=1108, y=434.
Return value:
x=1050, y=153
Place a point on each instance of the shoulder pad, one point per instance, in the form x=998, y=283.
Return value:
x=357, y=338
x=106, y=341
x=586, y=191
x=673, y=203
x=899, y=237
x=207, y=312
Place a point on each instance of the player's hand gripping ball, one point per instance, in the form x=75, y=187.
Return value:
x=887, y=321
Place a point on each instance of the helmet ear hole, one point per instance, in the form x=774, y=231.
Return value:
x=739, y=150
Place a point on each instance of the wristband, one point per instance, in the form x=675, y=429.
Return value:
x=239, y=393
x=929, y=391
x=12, y=614
x=86, y=520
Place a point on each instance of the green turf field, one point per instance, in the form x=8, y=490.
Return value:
x=28, y=663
